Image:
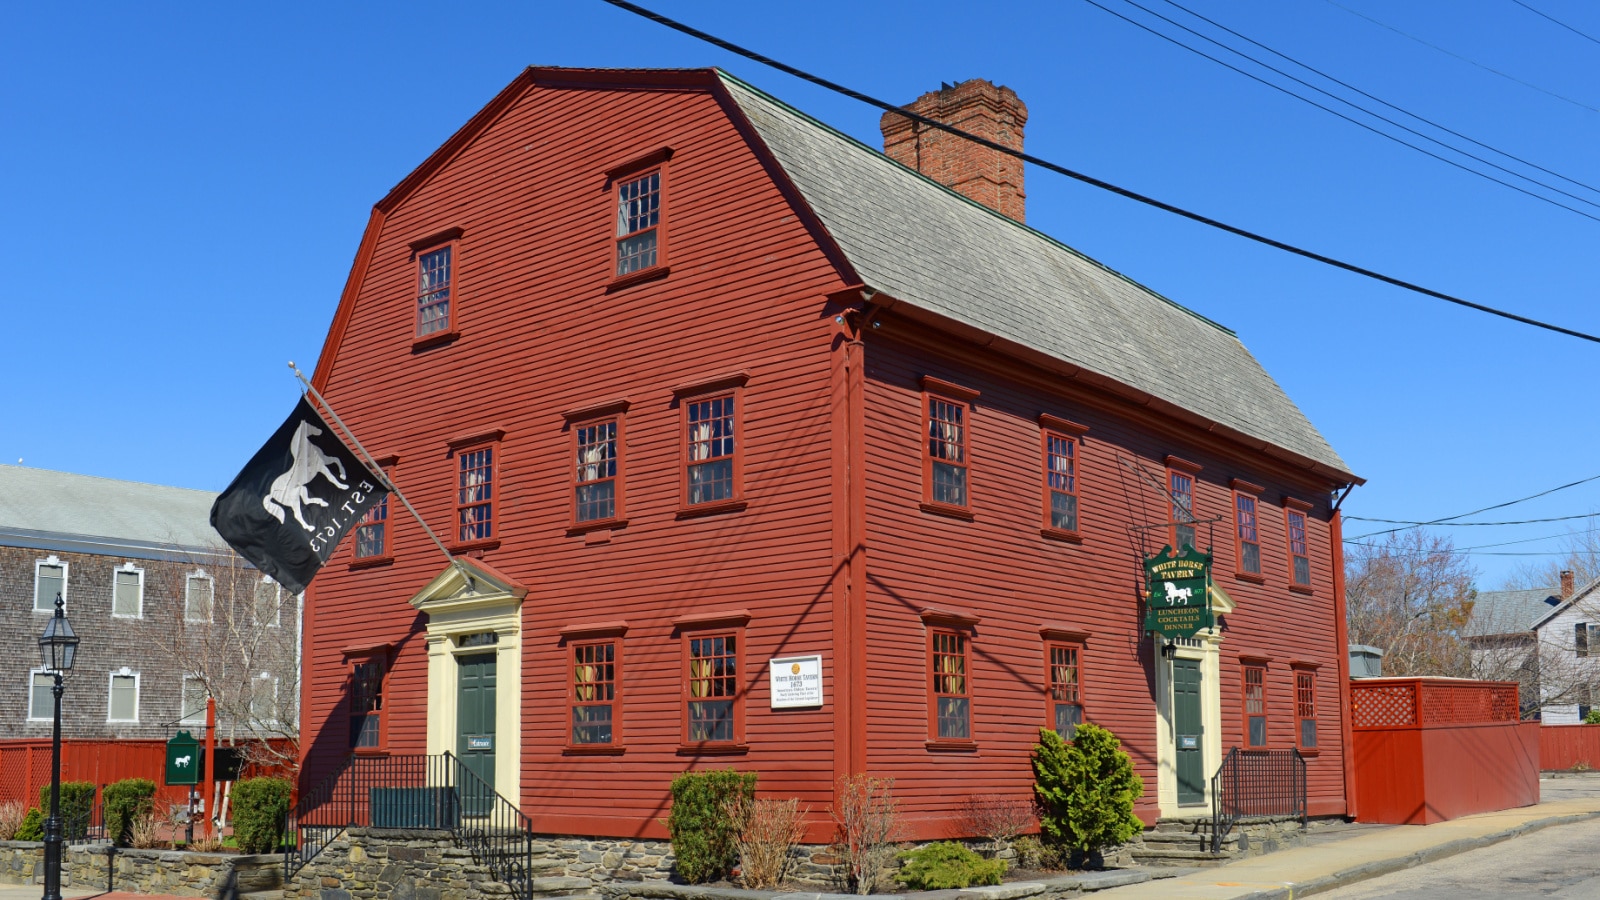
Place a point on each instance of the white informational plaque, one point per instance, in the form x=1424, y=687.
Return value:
x=796, y=682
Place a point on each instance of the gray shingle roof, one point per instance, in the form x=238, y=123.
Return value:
x=59, y=509
x=1510, y=612
x=929, y=247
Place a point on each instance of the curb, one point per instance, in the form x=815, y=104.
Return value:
x=1371, y=870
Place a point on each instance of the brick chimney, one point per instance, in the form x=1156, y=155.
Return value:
x=1566, y=584
x=982, y=174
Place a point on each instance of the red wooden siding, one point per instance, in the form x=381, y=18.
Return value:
x=541, y=334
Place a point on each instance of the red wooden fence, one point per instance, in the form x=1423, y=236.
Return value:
x=1563, y=747
x=1431, y=749
x=25, y=767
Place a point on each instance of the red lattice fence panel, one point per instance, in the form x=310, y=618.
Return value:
x=1383, y=705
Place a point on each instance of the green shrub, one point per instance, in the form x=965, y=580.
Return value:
x=260, y=806
x=126, y=802
x=1033, y=853
x=1086, y=790
x=1592, y=718
x=32, y=827
x=704, y=839
x=945, y=865
x=77, y=804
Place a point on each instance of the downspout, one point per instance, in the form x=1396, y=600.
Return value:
x=1341, y=630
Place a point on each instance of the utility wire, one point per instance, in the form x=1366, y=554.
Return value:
x=1423, y=551
x=1471, y=62
x=1376, y=99
x=1484, y=510
x=1556, y=20
x=1357, y=122
x=1460, y=524
x=1089, y=179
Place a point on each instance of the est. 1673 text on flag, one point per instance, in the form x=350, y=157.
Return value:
x=296, y=499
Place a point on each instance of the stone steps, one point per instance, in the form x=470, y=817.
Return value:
x=275, y=894
x=1203, y=859
x=550, y=886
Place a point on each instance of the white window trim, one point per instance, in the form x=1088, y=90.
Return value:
x=66, y=579
x=111, y=677
x=276, y=710
x=50, y=714
x=126, y=567
x=187, y=603
x=199, y=717
x=277, y=603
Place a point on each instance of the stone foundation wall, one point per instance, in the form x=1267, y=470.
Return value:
x=394, y=864
x=173, y=872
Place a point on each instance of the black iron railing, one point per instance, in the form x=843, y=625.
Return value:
x=1256, y=783
x=438, y=792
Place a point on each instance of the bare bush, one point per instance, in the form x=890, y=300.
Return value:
x=769, y=830
x=868, y=821
x=211, y=843
x=11, y=816
x=147, y=832
x=996, y=819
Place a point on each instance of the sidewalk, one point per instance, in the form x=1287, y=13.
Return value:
x=1303, y=871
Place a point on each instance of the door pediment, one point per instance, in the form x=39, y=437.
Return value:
x=469, y=586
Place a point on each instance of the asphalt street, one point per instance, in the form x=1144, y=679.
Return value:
x=1558, y=863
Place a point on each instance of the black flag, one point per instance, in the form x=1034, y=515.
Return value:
x=295, y=500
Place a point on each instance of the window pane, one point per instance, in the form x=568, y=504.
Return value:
x=1302, y=570
x=1308, y=733
x=594, y=687
x=124, y=700
x=1250, y=558
x=1258, y=731
x=638, y=214
x=636, y=253
x=953, y=718
x=197, y=599
x=125, y=601
x=1064, y=512
x=370, y=531
x=1068, y=717
x=433, y=292
x=949, y=484
x=1185, y=536
x=194, y=702
x=596, y=501
x=52, y=580
x=592, y=725
x=475, y=495
x=713, y=673
x=710, y=720
x=43, y=701
x=1182, y=488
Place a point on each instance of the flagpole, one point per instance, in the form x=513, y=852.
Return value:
x=378, y=470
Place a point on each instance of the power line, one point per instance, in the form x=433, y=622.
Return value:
x=1088, y=179
x=1461, y=524
x=1425, y=551
x=1360, y=124
x=1471, y=62
x=1555, y=20
x=1485, y=509
x=1376, y=99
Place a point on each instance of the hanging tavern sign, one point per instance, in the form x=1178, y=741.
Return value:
x=1179, y=602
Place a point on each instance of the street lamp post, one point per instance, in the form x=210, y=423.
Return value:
x=58, y=649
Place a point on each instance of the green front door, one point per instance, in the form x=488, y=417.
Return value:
x=1190, y=736
x=475, y=738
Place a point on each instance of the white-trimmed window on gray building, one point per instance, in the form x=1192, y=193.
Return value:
x=41, y=703
x=49, y=579
x=194, y=701
x=268, y=602
x=264, y=698
x=122, y=704
x=199, y=590
x=127, y=592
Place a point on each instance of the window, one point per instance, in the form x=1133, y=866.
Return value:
x=1066, y=699
x=49, y=579
x=710, y=477
x=193, y=712
x=371, y=540
x=267, y=603
x=1255, y=706
x=594, y=693
x=638, y=239
x=264, y=698
x=1247, y=538
x=475, y=495
x=1580, y=638
x=1181, y=486
x=1305, y=707
x=1299, y=559
x=713, y=688
x=127, y=592
x=434, y=270
x=366, y=705
x=596, y=474
x=41, y=699
x=199, y=589
x=1583, y=693
x=123, y=704
x=952, y=688
x=1061, y=481
x=947, y=451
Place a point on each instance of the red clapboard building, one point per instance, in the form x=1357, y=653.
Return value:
x=765, y=450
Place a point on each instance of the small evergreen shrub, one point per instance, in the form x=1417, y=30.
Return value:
x=32, y=827
x=945, y=865
x=260, y=806
x=126, y=802
x=1592, y=717
x=705, y=839
x=77, y=804
x=1086, y=790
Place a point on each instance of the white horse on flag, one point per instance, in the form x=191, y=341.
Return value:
x=289, y=490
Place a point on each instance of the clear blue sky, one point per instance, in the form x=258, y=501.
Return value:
x=185, y=186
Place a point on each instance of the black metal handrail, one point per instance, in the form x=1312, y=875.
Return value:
x=438, y=792
x=1256, y=783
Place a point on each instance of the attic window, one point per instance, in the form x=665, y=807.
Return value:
x=638, y=224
